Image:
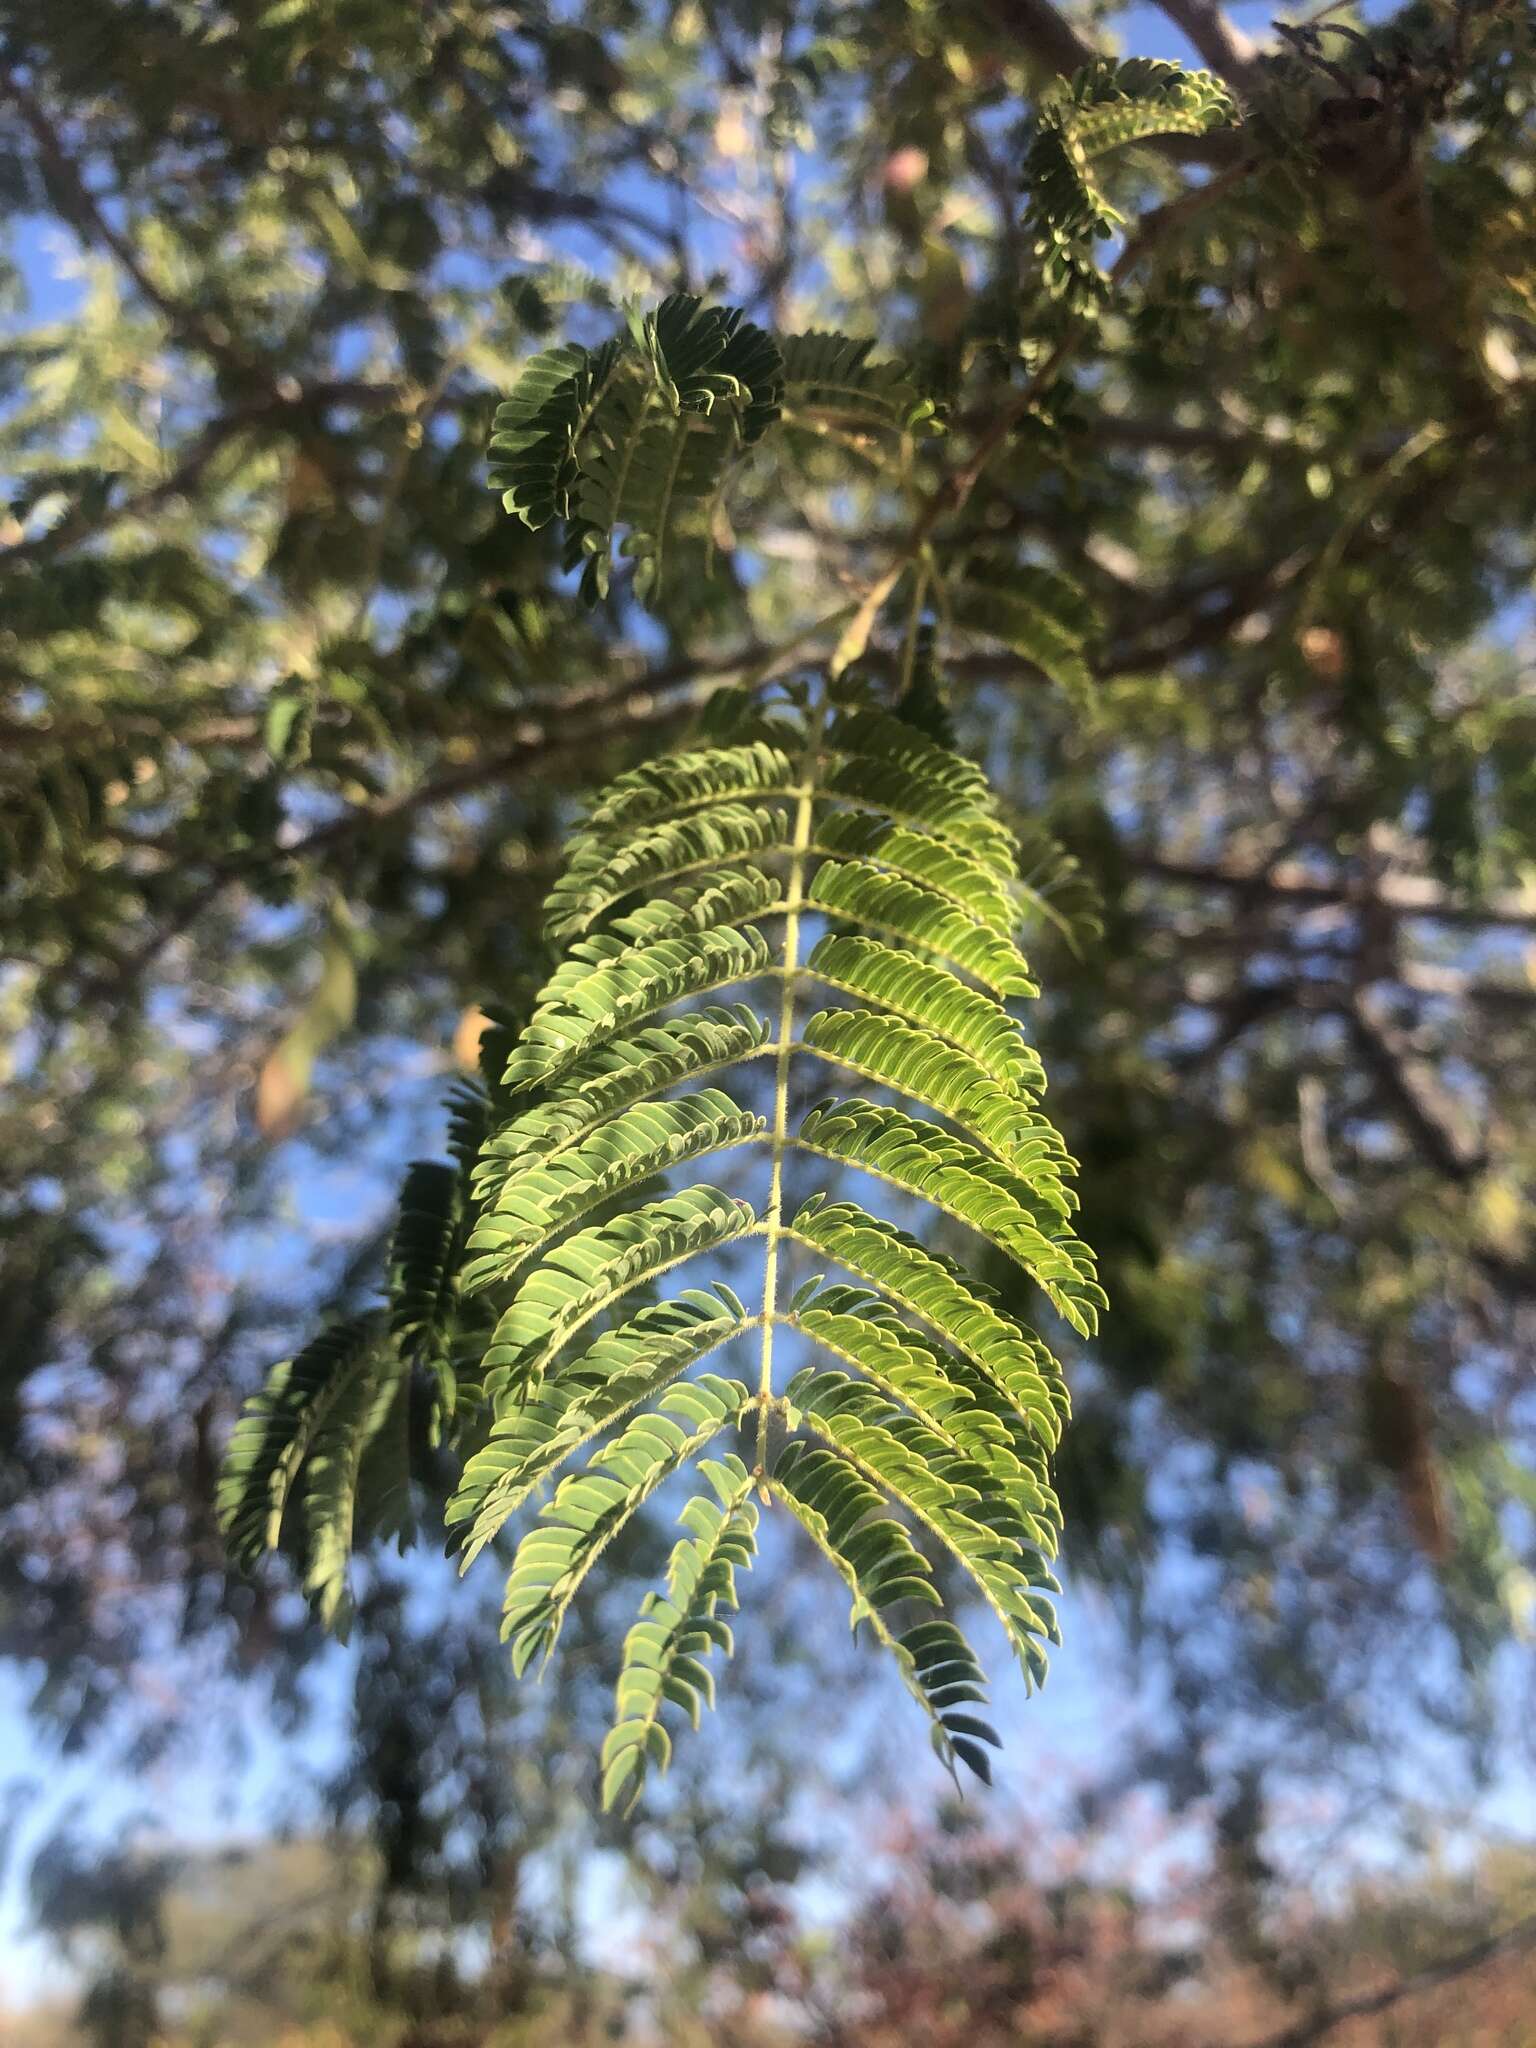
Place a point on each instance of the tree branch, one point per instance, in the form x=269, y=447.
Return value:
x=1401, y=895
x=77, y=203
x=641, y=703
x=1510, y=1942
x=1433, y=1118
x=1222, y=45
x=1046, y=34
x=1375, y=140
x=1452, y=984
x=281, y=409
x=1127, y=430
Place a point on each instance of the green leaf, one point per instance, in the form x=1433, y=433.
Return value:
x=642, y=856
x=534, y=1270
x=288, y=726
x=620, y=443
x=276, y=1426
x=840, y=1511
x=607, y=985
x=364, y=1406
x=929, y=1069
x=589, y=1510
x=665, y=1650
x=958, y=1308
x=629, y=1364
x=312, y=1421
x=954, y=1496
x=423, y=1261
x=533, y=443
x=594, y=1269
x=831, y=377
x=1033, y=610
x=855, y=892
x=948, y=870
x=931, y=997
x=617, y=1156
x=706, y=775
x=1100, y=108
x=941, y=1388
x=625, y=1071
x=1019, y=1214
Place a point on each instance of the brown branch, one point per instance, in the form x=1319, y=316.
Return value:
x=1510, y=1942
x=585, y=718
x=628, y=707
x=953, y=493
x=1387, y=178
x=1374, y=140
x=1433, y=1118
x=66, y=187
x=282, y=408
x=1047, y=35
x=1126, y=430
x=1190, y=625
x=1429, y=1116
x=1401, y=895
x=1371, y=146
x=1452, y=984
x=1222, y=45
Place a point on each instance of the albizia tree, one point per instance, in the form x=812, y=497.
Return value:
x=1107, y=521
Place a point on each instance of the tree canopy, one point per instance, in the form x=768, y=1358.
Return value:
x=295, y=718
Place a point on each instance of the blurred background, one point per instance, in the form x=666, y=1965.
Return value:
x=292, y=717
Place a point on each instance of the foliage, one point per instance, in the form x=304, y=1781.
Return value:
x=974, y=1929
x=978, y=1937
x=337, y=1414
x=284, y=693
x=651, y=424
x=822, y=808
x=1101, y=108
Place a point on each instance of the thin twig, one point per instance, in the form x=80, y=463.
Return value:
x=279, y=409
x=1400, y=895
x=80, y=206
x=587, y=716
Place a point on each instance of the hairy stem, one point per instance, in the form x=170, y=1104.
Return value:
x=909, y=641
x=794, y=897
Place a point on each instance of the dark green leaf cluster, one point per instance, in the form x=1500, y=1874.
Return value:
x=55, y=808
x=1099, y=109
x=1034, y=610
x=636, y=442
x=329, y=1431
x=818, y=890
